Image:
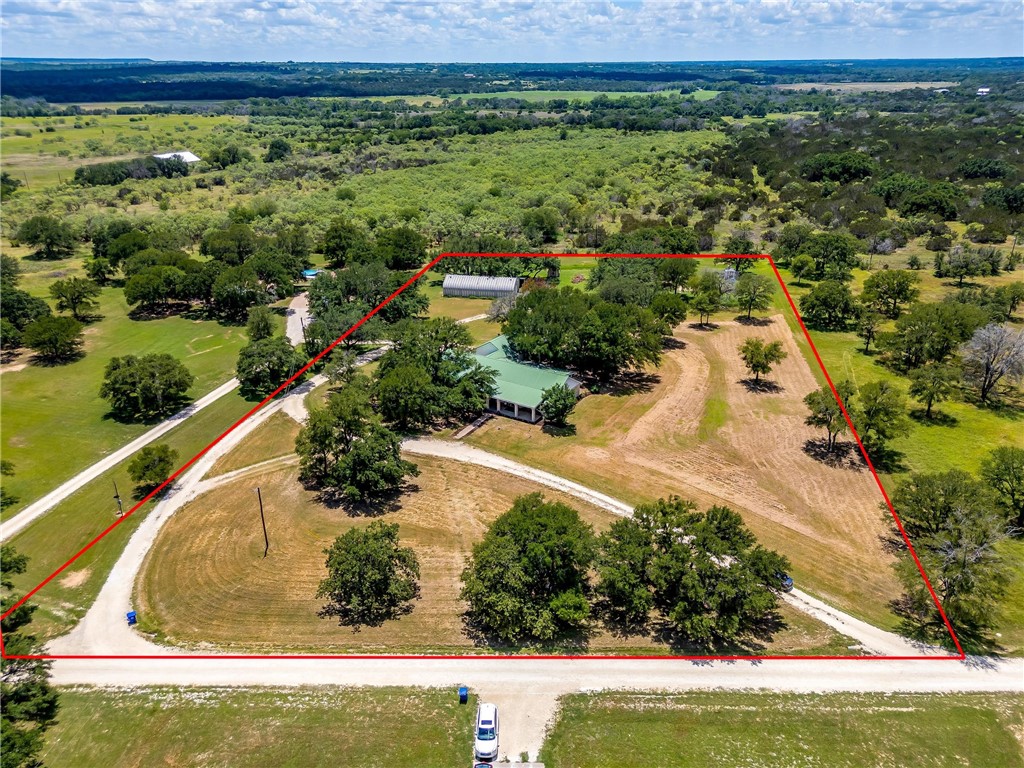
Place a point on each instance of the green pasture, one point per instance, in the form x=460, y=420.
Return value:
x=841, y=730
x=291, y=728
x=54, y=421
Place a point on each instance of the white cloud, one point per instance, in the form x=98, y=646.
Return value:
x=511, y=30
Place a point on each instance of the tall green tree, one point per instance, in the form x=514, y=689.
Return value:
x=151, y=466
x=932, y=384
x=826, y=413
x=526, y=581
x=754, y=291
x=829, y=306
x=889, y=289
x=951, y=520
x=28, y=703
x=56, y=339
x=52, y=238
x=759, y=357
x=880, y=415
x=370, y=577
x=266, y=364
x=556, y=403
x=260, y=323
x=703, y=572
x=145, y=387
x=1003, y=471
x=75, y=295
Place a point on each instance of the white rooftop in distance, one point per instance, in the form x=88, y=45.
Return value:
x=185, y=155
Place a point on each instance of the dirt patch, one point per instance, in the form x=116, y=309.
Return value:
x=75, y=578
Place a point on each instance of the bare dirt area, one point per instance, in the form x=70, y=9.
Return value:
x=867, y=86
x=205, y=582
x=701, y=430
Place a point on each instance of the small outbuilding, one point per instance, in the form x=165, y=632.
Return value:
x=480, y=286
x=519, y=386
x=184, y=155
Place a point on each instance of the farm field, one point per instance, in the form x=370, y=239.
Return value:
x=56, y=411
x=205, y=580
x=630, y=730
x=38, y=158
x=693, y=428
x=298, y=728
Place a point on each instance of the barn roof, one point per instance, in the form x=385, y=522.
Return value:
x=481, y=282
x=520, y=383
x=184, y=154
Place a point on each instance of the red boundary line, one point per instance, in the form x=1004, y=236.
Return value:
x=961, y=654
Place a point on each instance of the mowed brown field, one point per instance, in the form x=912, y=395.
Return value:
x=700, y=432
x=206, y=584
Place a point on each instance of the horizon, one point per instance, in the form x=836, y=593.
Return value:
x=511, y=31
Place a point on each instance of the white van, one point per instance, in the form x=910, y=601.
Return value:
x=485, y=745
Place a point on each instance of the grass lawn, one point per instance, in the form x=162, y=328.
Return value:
x=770, y=729
x=206, y=580
x=574, y=268
x=453, y=307
x=291, y=728
x=54, y=421
x=69, y=526
x=273, y=438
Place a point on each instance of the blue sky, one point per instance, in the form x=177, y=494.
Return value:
x=511, y=30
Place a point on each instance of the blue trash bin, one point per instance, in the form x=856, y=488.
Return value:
x=132, y=618
x=463, y=694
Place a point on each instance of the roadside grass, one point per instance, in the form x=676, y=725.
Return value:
x=1010, y=626
x=309, y=727
x=206, y=581
x=275, y=437
x=771, y=729
x=54, y=421
x=56, y=536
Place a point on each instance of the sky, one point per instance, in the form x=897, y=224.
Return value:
x=510, y=30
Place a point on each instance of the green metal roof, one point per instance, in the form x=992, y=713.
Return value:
x=520, y=383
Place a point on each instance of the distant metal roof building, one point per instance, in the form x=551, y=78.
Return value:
x=519, y=386
x=185, y=155
x=479, y=286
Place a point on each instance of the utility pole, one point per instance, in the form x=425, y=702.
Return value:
x=266, y=541
x=117, y=496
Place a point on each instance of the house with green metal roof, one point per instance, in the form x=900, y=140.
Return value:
x=519, y=385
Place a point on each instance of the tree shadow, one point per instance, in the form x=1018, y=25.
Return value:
x=630, y=383
x=574, y=643
x=178, y=409
x=359, y=618
x=762, y=385
x=937, y=419
x=1010, y=407
x=90, y=318
x=753, y=642
x=844, y=455
x=48, y=361
x=671, y=342
x=334, y=499
x=159, y=312
x=705, y=327
x=886, y=459
x=929, y=628
x=569, y=430
x=755, y=322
